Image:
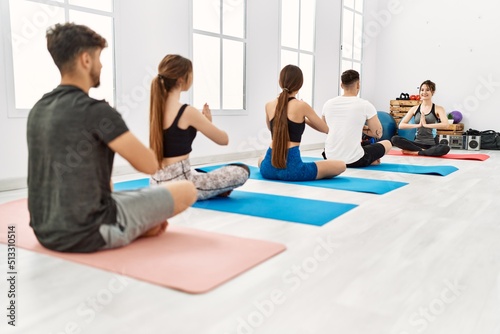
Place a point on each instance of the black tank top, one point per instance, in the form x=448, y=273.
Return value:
x=295, y=130
x=178, y=141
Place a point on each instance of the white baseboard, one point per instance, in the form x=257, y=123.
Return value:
x=21, y=182
x=13, y=184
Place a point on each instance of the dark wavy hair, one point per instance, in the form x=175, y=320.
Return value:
x=66, y=41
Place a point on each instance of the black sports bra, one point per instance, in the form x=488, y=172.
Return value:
x=295, y=130
x=178, y=141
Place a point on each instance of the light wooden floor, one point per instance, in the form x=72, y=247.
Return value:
x=422, y=259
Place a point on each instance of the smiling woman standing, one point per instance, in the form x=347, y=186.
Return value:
x=434, y=118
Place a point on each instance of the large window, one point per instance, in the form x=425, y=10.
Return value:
x=219, y=42
x=352, y=33
x=30, y=69
x=298, y=21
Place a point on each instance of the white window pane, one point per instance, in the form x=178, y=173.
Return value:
x=307, y=67
x=358, y=35
x=206, y=15
x=347, y=33
x=357, y=67
x=290, y=23
x=234, y=18
x=206, y=68
x=307, y=24
x=34, y=70
x=233, y=75
x=346, y=65
x=289, y=57
x=104, y=5
x=103, y=25
x=359, y=5
x=349, y=3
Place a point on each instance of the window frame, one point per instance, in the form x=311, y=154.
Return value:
x=222, y=111
x=298, y=50
x=351, y=59
x=13, y=111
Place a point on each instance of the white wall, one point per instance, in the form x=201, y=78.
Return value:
x=147, y=32
x=453, y=43
x=13, y=147
x=327, y=52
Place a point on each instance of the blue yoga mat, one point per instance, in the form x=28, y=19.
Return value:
x=356, y=184
x=441, y=170
x=131, y=185
x=292, y=209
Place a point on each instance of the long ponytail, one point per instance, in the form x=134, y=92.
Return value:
x=281, y=136
x=291, y=80
x=171, y=68
x=156, y=117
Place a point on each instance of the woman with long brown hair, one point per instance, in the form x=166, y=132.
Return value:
x=428, y=118
x=173, y=127
x=287, y=117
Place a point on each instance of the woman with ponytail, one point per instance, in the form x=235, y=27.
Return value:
x=173, y=127
x=287, y=117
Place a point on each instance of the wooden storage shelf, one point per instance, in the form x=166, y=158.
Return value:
x=405, y=103
x=454, y=127
x=399, y=108
x=452, y=130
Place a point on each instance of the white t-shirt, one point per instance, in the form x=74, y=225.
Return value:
x=346, y=116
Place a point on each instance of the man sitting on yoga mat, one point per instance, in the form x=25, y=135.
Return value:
x=72, y=139
x=287, y=117
x=348, y=117
x=426, y=141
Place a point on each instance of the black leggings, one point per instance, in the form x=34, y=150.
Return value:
x=436, y=150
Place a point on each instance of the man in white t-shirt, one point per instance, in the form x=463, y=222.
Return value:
x=348, y=117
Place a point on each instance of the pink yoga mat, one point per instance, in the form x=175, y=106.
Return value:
x=183, y=258
x=474, y=156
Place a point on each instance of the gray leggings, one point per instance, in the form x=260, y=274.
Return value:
x=209, y=184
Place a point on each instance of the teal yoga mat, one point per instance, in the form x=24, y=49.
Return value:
x=441, y=170
x=356, y=184
x=291, y=209
x=131, y=185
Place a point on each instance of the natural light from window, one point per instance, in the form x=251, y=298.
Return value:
x=298, y=41
x=219, y=44
x=33, y=70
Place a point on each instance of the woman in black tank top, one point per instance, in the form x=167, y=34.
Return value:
x=428, y=118
x=286, y=118
x=173, y=127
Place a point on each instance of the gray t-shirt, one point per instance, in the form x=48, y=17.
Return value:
x=69, y=169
